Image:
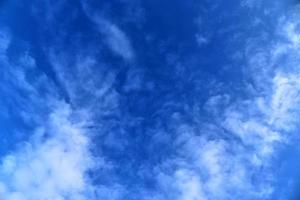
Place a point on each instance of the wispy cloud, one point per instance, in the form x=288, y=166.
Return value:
x=114, y=37
x=55, y=160
x=186, y=148
x=235, y=159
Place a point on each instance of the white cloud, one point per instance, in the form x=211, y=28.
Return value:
x=189, y=185
x=251, y=3
x=235, y=160
x=88, y=84
x=4, y=41
x=54, y=163
x=201, y=40
x=284, y=102
x=50, y=168
x=115, y=38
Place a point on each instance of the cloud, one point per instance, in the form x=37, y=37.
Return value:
x=54, y=162
x=114, y=37
x=237, y=158
x=53, y=167
x=87, y=82
x=201, y=40
x=55, y=159
x=227, y=155
x=4, y=41
x=285, y=98
x=190, y=186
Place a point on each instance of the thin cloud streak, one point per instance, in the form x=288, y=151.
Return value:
x=114, y=37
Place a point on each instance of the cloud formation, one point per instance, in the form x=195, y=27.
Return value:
x=54, y=162
x=114, y=37
x=235, y=159
x=53, y=165
x=206, y=125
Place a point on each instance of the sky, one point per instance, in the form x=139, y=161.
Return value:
x=149, y=100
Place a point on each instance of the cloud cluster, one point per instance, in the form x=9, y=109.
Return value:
x=235, y=159
x=54, y=160
x=53, y=165
x=227, y=154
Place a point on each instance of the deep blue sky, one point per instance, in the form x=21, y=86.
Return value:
x=149, y=100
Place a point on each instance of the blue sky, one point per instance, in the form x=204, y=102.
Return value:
x=149, y=100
